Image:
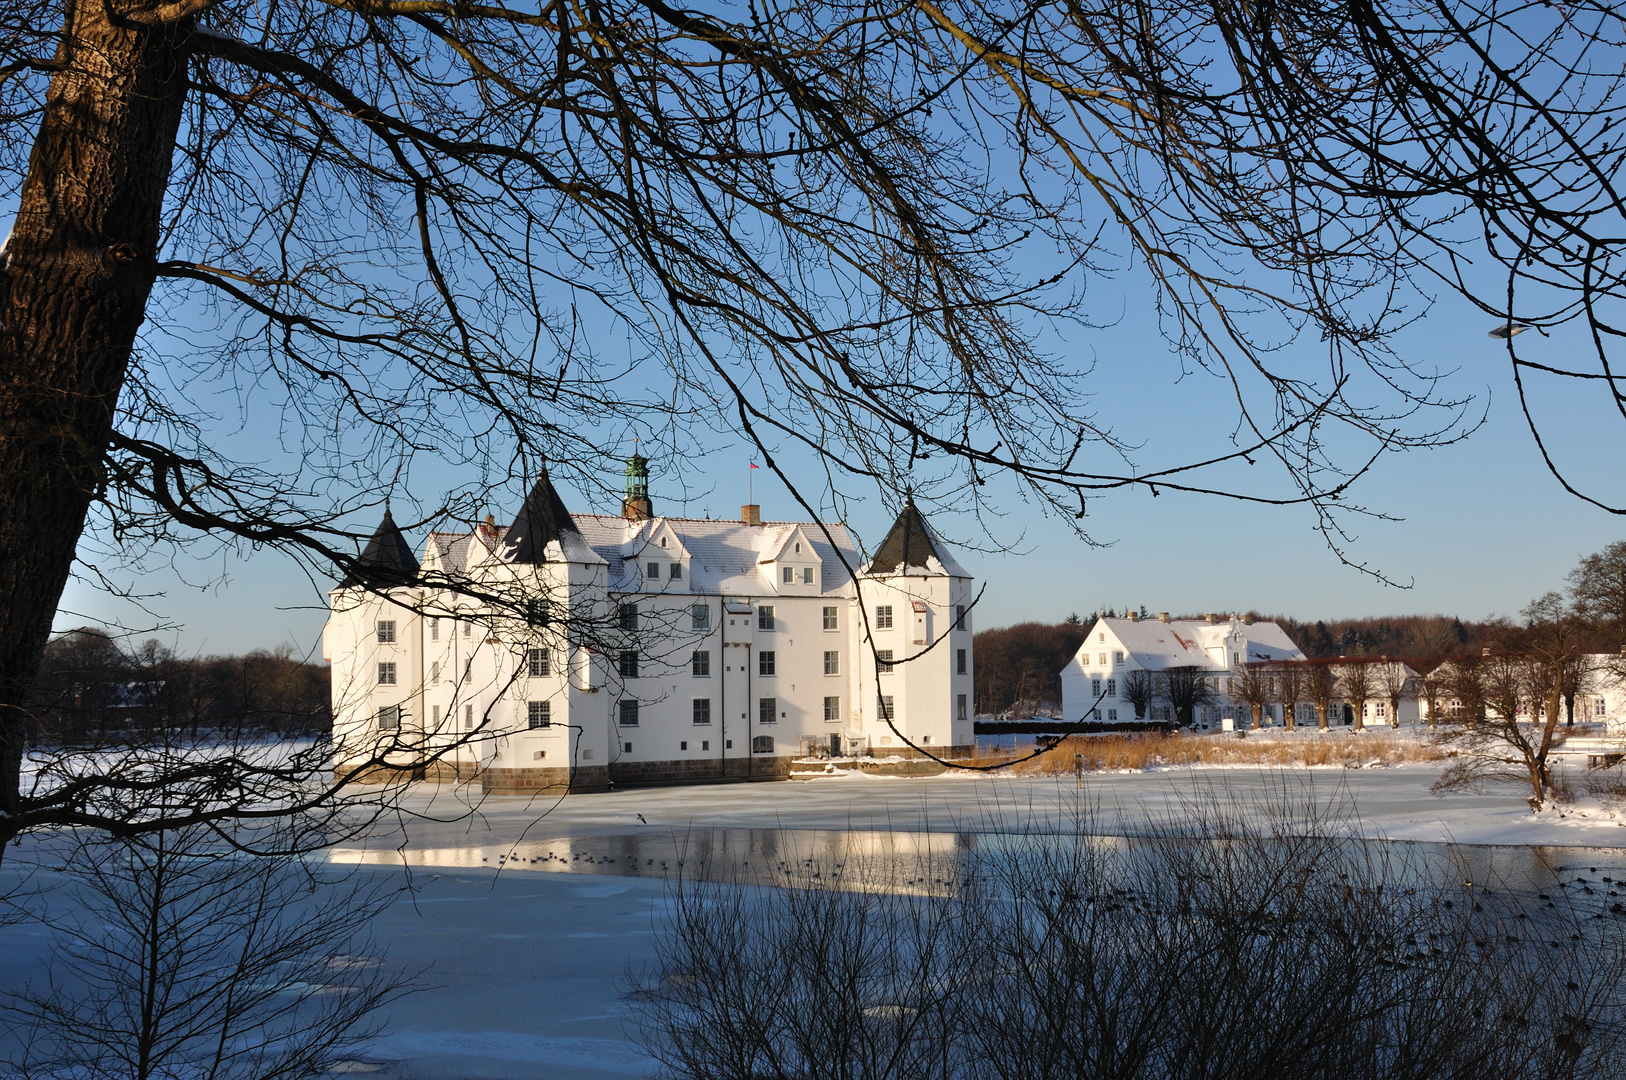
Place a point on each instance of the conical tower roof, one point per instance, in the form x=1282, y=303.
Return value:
x=910, y=544
x=387, y=559
x=542, y=520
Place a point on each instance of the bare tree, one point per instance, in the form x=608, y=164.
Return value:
x=1598, y=588
x=1357, y=687
x=1524, y=673
x=1576, y=680
x=1431, y=689
x=1140, y=689
x=1287, y=678
x=1257, y=689
x=412, y=227
x=173, y=954
x=1321, y=687
x=1396, y=685
x=1059, y=956
x=1187, y=689
x=1466, y=685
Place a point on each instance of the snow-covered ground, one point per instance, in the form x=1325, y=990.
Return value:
x=531, y=912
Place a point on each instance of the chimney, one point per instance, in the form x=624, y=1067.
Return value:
x=1212, y=618
x=1134, y=616
x=1163, y=616
x=751, y=514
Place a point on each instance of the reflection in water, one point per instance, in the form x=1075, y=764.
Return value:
x=930, y=862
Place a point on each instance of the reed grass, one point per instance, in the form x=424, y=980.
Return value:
x=1111, y=753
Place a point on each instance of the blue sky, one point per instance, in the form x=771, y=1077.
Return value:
x=1483, y=528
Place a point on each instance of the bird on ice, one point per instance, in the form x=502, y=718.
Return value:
x=641, y=820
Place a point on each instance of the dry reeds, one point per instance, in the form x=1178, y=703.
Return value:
x=1110, y=753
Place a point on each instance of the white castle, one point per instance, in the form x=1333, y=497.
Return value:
x=588, y=650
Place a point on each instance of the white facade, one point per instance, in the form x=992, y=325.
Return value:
x=1115, y=647
x=1601, y=700
x=596, y=650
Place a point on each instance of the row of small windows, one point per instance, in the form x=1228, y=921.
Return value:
x=539, y=714
x=768, y=711
x=389, y=717
x=537, y=614
x=539, y=665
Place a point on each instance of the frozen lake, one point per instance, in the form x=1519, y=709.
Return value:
x=531, y=912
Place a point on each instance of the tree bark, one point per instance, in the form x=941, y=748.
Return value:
x=78, y=269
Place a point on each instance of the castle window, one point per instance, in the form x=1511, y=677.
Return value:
x=536, y=611
x=807, y=575
x=959, y=661
x=832, y=662
x=767, y=710
x=883, y=661
x=1117, y=658
x=539, y=714
x=700, y=617
x=654, y=571
x=789, y=575
x=700, y=664
x=434, y=629
x=468, y=630
x=832, y=619
x=702, y=710
x=434, y=716
x=1112, y=714
x=1112, y=688
x=959, y=616
x=884, y=706
x=765, y=662
x=434, y=673
x=832, y=710
x=389, y=718
x=765, y=617
x=627, y=712
x=386, y=673
x=1095, y=687
x=386, y=631
x=537, y=661
x=629, y=616
x=883, y=617
x=959, y=707
x=762, y=744
x=468, y=718
x=628, y=664
x=677, y=571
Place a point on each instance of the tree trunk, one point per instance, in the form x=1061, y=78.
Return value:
x=1256, y=710
x=1321, y=714
x=78, y=268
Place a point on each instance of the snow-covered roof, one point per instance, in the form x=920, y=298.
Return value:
x=723, y=556
x=1157, y=645
x=913, y=546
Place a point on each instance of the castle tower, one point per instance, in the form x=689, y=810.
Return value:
x=386, y=561
x=635, y=504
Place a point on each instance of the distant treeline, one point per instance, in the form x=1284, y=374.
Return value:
x=88, y=687
x=1019, y=667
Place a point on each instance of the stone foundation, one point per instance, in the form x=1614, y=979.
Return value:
x=584, y=778
x=527, y=781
